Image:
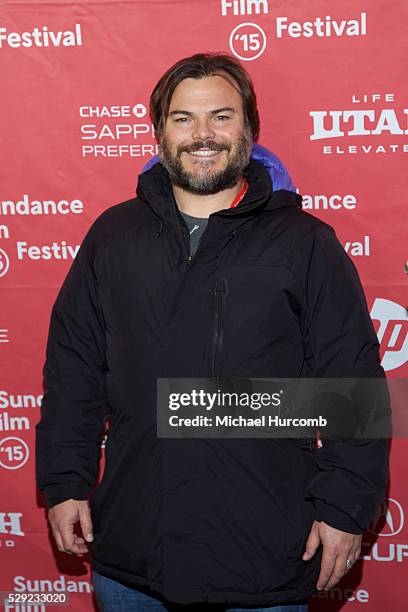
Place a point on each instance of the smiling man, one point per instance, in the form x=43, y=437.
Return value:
x=211, y=272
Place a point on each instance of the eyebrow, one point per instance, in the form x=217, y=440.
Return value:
x=214, y=112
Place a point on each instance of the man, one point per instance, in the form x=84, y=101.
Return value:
x=266, y=292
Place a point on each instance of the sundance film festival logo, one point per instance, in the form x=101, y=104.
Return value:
x=359, y=595
x=248, y=40
x=392, y=332
x=319, y=26
x=4, y=263
x=365, y=120
x=41, y=37
x=12, y=403
x=27, y=206
x=14, y=453
x=25, y=251
x=244, y=7
x=10, y=423
x=332, y=201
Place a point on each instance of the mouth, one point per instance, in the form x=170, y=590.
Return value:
x=204, y=153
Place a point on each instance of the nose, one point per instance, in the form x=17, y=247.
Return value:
x=202, y=129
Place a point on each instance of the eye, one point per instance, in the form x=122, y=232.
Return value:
x=181, y=120
x=222, y=117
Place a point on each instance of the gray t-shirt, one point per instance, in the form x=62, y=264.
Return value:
x=196, y=227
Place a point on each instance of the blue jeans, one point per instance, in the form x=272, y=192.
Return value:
x=113, y=596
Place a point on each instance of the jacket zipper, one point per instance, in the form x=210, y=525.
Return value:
x=218, y=335
x=190, y=257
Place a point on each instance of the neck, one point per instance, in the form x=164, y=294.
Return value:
x=204, y=205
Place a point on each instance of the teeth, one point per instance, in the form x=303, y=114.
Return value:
x=204, y=153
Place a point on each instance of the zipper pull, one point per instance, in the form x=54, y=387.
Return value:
x=220, y=286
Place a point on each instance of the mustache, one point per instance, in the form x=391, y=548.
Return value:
x=211, y=145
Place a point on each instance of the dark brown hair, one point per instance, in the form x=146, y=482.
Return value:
x=196, y=67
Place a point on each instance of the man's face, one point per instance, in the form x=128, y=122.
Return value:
x=205, y=144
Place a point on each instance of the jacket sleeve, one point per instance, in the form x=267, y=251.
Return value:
x=68, y=436
x=341, y=342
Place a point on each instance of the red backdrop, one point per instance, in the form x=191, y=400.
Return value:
x=74, y=130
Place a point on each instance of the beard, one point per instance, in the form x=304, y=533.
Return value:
x=207, y=180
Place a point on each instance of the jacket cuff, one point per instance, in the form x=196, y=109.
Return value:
x=57, y=493
x=335, y=518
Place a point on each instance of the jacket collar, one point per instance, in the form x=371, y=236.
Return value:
x=154, y=188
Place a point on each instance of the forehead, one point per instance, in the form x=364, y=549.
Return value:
x=206, y=94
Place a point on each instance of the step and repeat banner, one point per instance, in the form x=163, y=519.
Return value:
x=75, y=133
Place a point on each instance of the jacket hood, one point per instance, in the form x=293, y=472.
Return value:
x=154, y=188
